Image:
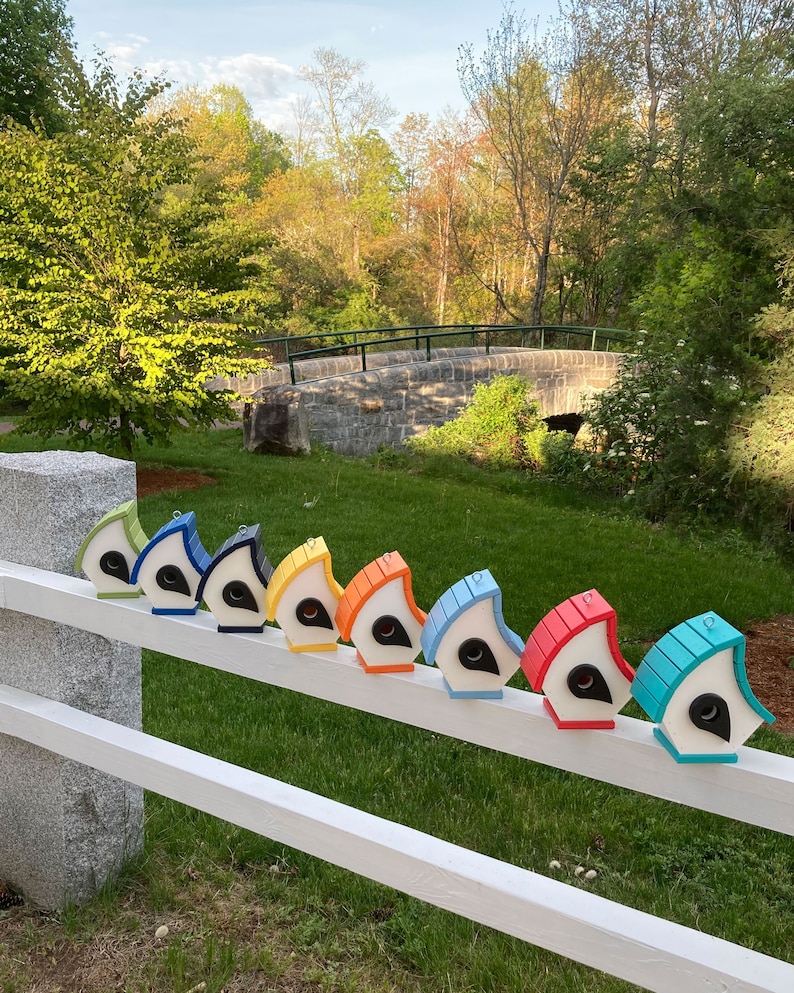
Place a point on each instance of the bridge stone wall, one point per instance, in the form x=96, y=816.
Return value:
x=355, y=413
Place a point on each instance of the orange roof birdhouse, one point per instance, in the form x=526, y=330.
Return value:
x=378, y=614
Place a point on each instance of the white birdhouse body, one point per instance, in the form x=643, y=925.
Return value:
x=588, y=648
x=677, y=725
x=466, y=637
x=110, y=548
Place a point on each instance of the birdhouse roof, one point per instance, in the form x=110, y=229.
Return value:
x=127, y=513
x=680, y=652
x=366, y=582
x=185, y=526
x=457, y=600
x=249, y=538
x=300, y=558
x=561, y=625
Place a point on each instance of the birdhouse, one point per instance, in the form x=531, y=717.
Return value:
x=109, y=551
x=693, y=684
x=378, y=614
x=170, y=567
x=466, y=636
x=234, y=584
x=302, y=597
x=573, y=658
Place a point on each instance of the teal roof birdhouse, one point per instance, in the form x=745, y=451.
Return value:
x=693, y=683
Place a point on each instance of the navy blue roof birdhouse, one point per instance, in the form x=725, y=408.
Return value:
x=170, y=567
x=693, y=683
x=234, y=584
x=465, y=635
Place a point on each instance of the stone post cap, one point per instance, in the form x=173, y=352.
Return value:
x=49, y=501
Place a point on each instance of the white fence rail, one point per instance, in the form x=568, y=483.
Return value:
x=627, y=943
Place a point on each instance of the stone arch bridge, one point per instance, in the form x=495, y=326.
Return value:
x=401, y=394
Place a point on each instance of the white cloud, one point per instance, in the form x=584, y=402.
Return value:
x=260, y=77
x=269, y=85
x=123, y=54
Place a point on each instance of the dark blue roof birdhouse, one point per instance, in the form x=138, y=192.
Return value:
x=465, y=635
x=170, y=567
x=234, y=584
x=693, y=683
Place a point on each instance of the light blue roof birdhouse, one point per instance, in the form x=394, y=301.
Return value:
x=234, y=584
x=465, y=635
x=693, y=683
x=110, y=549
x=170, y=567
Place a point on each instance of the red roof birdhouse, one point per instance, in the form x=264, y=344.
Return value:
x=573, y=657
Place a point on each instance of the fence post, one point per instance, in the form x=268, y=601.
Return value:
x=64, y=828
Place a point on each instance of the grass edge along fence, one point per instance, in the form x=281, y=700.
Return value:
x=422, y=337
x=632, y=945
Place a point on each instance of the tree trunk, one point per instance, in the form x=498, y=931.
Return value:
x=536, y=307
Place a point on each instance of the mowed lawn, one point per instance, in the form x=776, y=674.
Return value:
x=247, y=914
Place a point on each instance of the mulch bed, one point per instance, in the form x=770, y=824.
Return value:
x=157, y=479
x=770, y=667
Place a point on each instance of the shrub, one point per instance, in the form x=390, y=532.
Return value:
x=499, y=427
x=561, y=456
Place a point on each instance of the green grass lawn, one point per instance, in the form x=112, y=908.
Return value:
x=331, y=930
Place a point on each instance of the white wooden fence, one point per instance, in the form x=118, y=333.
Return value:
x=648, y=951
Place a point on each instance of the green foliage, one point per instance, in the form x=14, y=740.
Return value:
x=562, y=457
x=108, y=327
x=500, y=427
x=763, y=452
x=35, y=55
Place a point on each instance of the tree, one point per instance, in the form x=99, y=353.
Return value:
x=35, y=52
x=347, y=117
x=237, y=152
x=537, y=104
x=101, y=334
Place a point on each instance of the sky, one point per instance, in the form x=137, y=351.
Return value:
x=410, y=47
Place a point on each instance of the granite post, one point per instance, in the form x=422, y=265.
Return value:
x=64, y=828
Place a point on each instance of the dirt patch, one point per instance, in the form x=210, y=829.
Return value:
x=770, y=668
x=158, y=479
